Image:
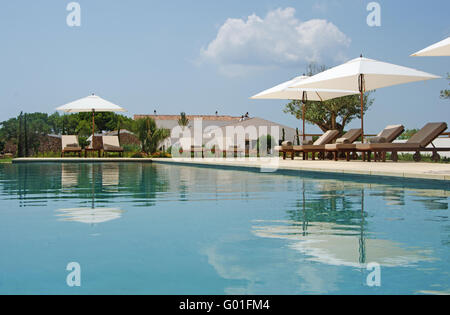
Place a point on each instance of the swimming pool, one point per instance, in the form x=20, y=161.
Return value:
x=166, y=229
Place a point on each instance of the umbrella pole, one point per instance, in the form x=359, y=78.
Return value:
x=304, y=100
x=303, y=115
x=93, y=128
x=362, y=116
x=93, y=187
x=362, y=241
x=361, y=84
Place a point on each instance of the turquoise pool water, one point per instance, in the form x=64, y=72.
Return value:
x=166, y=229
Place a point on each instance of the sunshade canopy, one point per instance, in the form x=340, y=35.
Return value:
x=284, y=92
x=363, y=74
x=439, y=49
x=90, y=104
x=377, y=75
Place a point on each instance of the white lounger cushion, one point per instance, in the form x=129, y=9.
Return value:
x=69, y=142
x=110, y=142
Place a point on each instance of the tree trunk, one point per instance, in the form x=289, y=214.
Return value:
x=20, y=138
x=25, y=127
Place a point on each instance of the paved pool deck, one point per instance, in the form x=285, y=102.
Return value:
x=431, y=171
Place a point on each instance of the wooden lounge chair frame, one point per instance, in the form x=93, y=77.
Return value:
x=67, y=140
x=317, y=147
x=94, y=147
x=347, y=148
x=417, y=143
x=196, y=149
x=389, y=134
x=235, y=151
x=111, y=145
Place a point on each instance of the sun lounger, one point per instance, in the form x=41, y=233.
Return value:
x=344, y=144
x=96, y=146
x=316, y=147
x=388, y=135
x=111, y=144
x=235, y=151
x=417, y=143
x=195, y=150
x=69, y=144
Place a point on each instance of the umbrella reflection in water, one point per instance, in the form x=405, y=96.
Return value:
x=92, y=215
x=339, y=244
x=89, y=216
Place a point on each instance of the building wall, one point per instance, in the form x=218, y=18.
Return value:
x=46, y=144
x=209, y=123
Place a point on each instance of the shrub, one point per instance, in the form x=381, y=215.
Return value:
x=131, y=148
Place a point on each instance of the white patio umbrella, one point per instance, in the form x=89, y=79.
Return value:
x=92, y=103
x=439, y=49
x=284, y=92
x=363, y=74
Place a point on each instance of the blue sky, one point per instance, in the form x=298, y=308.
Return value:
x=189, y=56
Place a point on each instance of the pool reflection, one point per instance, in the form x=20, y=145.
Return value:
x=328, y=224
x=89, y=215
x=241, y=232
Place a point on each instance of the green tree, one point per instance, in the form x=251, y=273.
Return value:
x=41, y=124
x=408, y=134
x=265, y=143
x=149, y=134
x=70, y=123
x=55, y=123
x=445, y=94
x=25, y=136
x=105, y=121
x=83, y=129
x=183, y=122
x=37, y=127
x=333, y=114
x=9, y=129
x=20, y=136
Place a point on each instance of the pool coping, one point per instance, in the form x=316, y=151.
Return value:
x=296, y=168
x=348, y=169
x=80, y=160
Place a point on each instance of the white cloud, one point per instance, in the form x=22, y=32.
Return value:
x=279, y=39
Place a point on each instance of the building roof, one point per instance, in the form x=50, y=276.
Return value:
x=257, y=122
x=212, y=122
x=191, y=117
x=171, y=121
